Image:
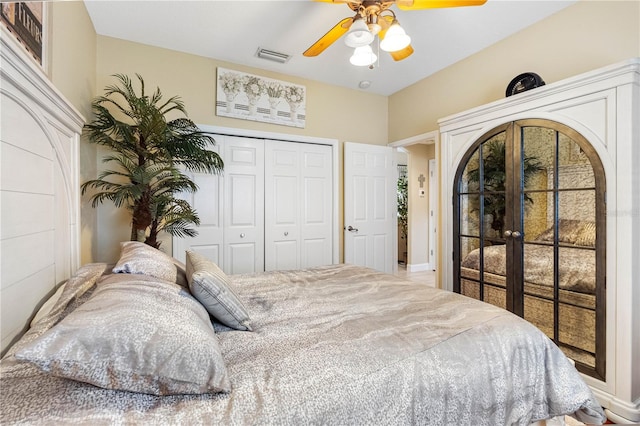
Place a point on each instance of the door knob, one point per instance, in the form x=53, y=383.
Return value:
x=352, y=229
x=242, y=235
x=515, y=234
x=286, y=233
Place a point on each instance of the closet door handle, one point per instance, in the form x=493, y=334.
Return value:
x=286, y=233
x=242, y=235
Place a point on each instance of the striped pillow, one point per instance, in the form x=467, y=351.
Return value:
x=210, y=285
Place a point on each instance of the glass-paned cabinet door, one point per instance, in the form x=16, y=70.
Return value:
x=482, y=203
x=560, y=263
x=530, y=232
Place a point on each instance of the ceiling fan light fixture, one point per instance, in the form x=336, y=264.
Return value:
x=363, y=56
x=395, y=39
x=374, y=28
x=358, y=34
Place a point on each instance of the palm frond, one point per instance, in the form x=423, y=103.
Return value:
x=144, y=175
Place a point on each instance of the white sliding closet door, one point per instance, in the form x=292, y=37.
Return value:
x=243, y=205
x=271, y=208
x=316, y=237
x=206, y=201
x=282, y=205
x=298, y=205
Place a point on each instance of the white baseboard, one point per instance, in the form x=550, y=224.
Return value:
x=418, y=267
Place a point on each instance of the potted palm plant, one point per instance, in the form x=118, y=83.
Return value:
x=149, y=152
x=403, y=212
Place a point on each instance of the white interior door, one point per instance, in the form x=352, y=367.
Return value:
x=243, y=205
x=370, y=206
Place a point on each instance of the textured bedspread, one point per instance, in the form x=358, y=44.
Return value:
x=340, y=345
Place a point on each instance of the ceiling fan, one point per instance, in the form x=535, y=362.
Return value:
x=373, y=17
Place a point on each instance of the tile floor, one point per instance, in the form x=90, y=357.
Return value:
x=428, y=277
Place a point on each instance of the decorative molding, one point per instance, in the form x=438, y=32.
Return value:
x=251, y=97
x=418, y=267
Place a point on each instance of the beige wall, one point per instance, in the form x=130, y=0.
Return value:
x=332, y=112
x=585, y=36
x=72, y=69
x=582, y=37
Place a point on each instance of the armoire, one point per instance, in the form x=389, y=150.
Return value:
x=273, y=207
x=600, y=110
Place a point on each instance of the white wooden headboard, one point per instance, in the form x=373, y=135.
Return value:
x=39, y=188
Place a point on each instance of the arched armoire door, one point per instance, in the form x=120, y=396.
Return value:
x=529, y=233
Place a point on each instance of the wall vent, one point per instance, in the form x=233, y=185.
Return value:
x=272, y=56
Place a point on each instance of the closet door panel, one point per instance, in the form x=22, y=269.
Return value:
x=208, y=242
x=298, y=205
x=284, y=255
x=207, y=202
x=282, y=205
x=316, y=177
x=243, y=206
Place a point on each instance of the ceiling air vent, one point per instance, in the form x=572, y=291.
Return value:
x=272, y=56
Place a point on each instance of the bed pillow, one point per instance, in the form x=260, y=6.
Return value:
x=571, y=231
x=587, y=235
x=140, y=258
x=137, y=334
x=181, y=276
x=47, y=306
x=210, y=285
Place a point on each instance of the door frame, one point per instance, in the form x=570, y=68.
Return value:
x=434, y=191
x=428, y=138
x=178, y=243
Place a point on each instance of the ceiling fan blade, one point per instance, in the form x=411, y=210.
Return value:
x=436, y=4
x=401, y=54
x=326, y=40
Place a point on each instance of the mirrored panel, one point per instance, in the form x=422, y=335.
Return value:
x=539, y=311
x=574, y=168
x=470, y=211
x=538, y=154
x=495, y=207
x=470, y=179
x=577, y=333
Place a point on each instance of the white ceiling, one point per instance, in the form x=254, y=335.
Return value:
x=233, y=31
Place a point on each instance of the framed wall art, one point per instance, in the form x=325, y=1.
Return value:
x=252, y=97
x=26, y=21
